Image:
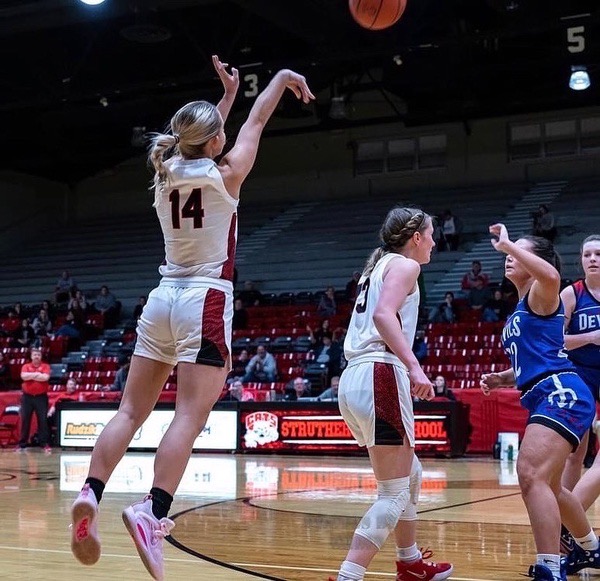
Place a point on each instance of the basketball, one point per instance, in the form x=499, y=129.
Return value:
x=376, y=14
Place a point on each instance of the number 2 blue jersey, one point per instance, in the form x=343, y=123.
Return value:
x=535, y=344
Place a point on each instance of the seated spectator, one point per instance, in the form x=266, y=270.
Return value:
x=11, y=324
x=235, y=391
x=106, y=303
x=19, y=311
x=120, y=377
x=137, y=310
x=543, y=223
x=331, y=393
x=70, y=328
x=496, y=308
x=24, y=335
x=65, y=287
x=445, y=312
x=240, y=316
x=49, y=309
x=451, y=229
x=316, y=337
x=470, y=278
x=352, y=286
x=239, y=364
x=419, y=346
x=296, y=389
x=3, y=371
x=42, y=326
x=78, y=301
x=330, y=354
x=441, y=389
x=262, y=367
x=69, y=395
x=327, y=306
x=479, y=295
x=250, y=297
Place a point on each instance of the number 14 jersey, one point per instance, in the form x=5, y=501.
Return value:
x=198, y=219
x=363, y=338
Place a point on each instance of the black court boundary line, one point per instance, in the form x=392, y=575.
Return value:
x=212, y=560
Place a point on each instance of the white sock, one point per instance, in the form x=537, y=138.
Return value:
x=350, y=571
x=589, y=542
x=408, y=554
x=552, y=562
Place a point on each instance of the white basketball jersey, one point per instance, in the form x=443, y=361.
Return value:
x=198, y=219
x=363, y=338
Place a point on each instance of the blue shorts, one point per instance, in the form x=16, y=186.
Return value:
x=591, y=377
x=563, y=403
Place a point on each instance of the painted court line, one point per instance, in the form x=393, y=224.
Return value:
x=245, y=565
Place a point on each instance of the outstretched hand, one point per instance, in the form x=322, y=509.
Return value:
x=501, y=233
x=297, y=84
x=231, y=82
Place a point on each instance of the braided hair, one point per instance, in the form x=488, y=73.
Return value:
x=397, y=229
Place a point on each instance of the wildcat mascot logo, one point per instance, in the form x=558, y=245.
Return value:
x=261, y=429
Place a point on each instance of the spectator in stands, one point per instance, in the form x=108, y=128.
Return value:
x=331, y=393
x=65, y=287
x=471, y=277
x=296, y=389
x=451, y=230
x=262, y=367
x=42, y=325
x=239, y=364
x=250, y=297
x=330, y=354
x=441, y=389
x=19, y=311
x=543, y=223
x=479, y=295
x=137, y=310
x=70, y=394
x=70, y=328
x=3, y=371
x=78, y=301
x=235, y=391
x=11, y=324
x=47, y=306
x=327, y=306
x=445, y=312
x=496, y=308
x=121, y=376
x=35, y=376
x=419, y=346
x=106, y=303
x=352, y=286
x=316, y=337
x=24, y=335
x=240, y=316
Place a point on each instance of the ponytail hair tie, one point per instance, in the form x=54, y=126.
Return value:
x=176, y=137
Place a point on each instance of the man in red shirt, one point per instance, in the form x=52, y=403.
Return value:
x=35, y=376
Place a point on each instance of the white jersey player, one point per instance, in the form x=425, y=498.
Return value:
x=187, y=320
x=376, y=389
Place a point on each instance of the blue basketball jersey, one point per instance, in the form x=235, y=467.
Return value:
x=535, y=344
x=586, y=318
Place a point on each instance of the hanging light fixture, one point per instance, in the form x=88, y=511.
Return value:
x=580, y=79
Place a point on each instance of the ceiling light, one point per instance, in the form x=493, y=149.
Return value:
x=580, y=79
x=92, y=2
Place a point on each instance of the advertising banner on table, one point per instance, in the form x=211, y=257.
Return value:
x=80, y=427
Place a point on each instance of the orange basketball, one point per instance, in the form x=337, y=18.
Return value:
x=376, y=14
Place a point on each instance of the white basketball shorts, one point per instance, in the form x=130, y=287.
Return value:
x=186, y=323
x=375, y=402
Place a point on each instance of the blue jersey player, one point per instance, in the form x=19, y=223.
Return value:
x=582, y=341
x=560, y=405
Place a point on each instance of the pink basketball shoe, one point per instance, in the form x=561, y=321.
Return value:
x=85, y=542
x=148, y=533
